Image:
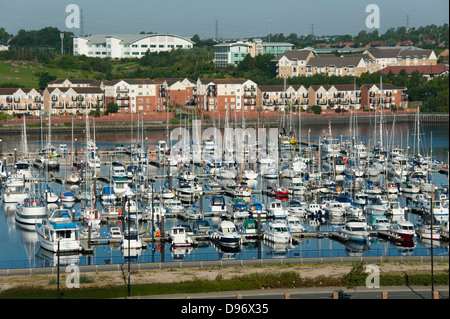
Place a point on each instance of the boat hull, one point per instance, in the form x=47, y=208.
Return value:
x=50, y=245
x=29, y=216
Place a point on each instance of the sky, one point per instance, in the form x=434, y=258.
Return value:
x=235, y=18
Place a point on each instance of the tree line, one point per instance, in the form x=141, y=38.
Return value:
x=44, y=46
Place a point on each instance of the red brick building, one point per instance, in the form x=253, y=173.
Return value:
x=372, y=95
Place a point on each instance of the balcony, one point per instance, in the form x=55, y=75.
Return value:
x=32, y=107
x=124, y=90
x=122, y=97
x=19, y=107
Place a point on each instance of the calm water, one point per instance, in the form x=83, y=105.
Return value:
x=19, y=247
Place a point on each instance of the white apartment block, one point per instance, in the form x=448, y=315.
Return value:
x=21, y=101
x=119, y=46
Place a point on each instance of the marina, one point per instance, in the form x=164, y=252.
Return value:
x=130, y=198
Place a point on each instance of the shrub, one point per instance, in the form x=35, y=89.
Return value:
x=174, y=120
x=316, y=109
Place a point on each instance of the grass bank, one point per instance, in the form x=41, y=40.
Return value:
x=252, y=281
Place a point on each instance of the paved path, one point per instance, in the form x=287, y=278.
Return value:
x=394, y=292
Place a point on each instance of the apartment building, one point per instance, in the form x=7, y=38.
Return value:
x=338, y=96
x=387, y=95
x=401, y=56
x=220, y=94
x=136, y=95
x=292, y=63
x=330, y=64
x=307, y=62
x=233, y=53
x=181, y=91
x=72, y=100
x=21, y=101
x=279, y=97
x=118, y=46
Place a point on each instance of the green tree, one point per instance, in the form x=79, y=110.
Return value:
x=44, y=79
x=112, y=107
x=357, y=276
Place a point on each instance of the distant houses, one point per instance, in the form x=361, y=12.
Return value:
x=308, y=62
x=71, y=96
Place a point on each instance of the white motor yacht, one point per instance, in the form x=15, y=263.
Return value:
x=276, y=209
x=179, y=237
x=58, y=232
x=294, y=224
x=277, y=232
x=355, y=230
x=226, y=234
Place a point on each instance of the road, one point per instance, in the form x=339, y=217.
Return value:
x=394, y=292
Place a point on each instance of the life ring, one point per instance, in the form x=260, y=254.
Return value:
x=158, y=233
x=120, y=211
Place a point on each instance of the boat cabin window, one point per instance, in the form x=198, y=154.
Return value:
x=178, y=231
x=217, y=201
x=133, y=235
x=436, y=204
x=394, y=205
x=278, y=229
x=356, y=228
x=63, y=234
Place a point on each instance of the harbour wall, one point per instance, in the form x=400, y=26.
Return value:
x=9, y=128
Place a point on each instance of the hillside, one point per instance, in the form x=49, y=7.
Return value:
x=26, y=74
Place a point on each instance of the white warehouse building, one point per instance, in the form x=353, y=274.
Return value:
x=118, y=46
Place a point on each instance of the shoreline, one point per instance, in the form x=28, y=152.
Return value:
x=102, y=125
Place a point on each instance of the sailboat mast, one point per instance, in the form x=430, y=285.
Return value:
x=381, y=113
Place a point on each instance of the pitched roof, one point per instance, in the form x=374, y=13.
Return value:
x=223, y=81
x=415, y=53
x=8, y=91
x=11, y=91
x=379, y=53
x=91, y=82
x=339, y=87
x=129, y=81
x=393, y=52
x=79, y=90
x=272, y=88
x=171, y=81
x=332, y=60
x=230, y=81
x=424, y=69
x=386, y=86
x=294, y=55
